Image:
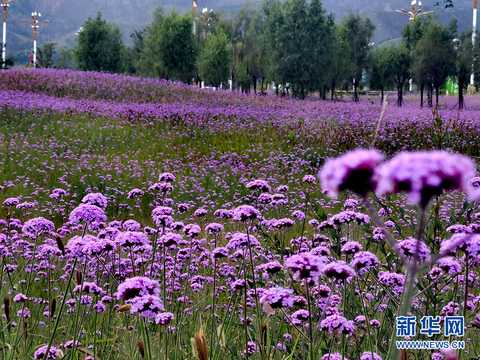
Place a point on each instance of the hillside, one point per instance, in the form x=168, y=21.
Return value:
x=66, y=16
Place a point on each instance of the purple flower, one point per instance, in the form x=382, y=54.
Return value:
x=450, y=265
x=251, y=348
x=223, y=213
x=137, y=286
x=305, y=266
x=161, y=215
x=88, y=213
x=134, y=193
x=170, y=239
x=309, y=179
x=191, y=230
x=96, y=199
x=333, y=356
x=146, y=305
x=395, y=281
x=278, y=297
x=246, y=212
x=219, y=252
x=41, y=353
x=339, y=271
x=132, y=238
x=363, y=261
x=89, y=287
x=214, y=228
x=468, y=243
x=351, y=247
x=299, y=215
x=166, y=177
x=425, y=174
x=164, y=187
x=409, y=246
x=260, y=185
x=164, y=318
x=354, y=171
x=11, y=202
x=272, y=267
x=367, y=355
x=241, y=241
x=337, y=323
x=300, y=316
x=38, y=226
x=200, y=212
x=131, y=225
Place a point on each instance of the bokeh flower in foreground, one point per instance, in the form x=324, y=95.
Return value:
x=354, y=171
x=424, y=174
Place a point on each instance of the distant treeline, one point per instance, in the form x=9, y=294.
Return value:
x=294, y=44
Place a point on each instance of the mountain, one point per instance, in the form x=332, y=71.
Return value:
x=66, y=17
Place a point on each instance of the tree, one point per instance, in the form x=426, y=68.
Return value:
x=434, y=56
x=398, y=63
x=360, y=32
x=380, y=75
x=166, y=48
x=46, y=53
x=341, y=65
x=66, y=59
x=99, y=46
x=214, y=60
x=466, y=55
x=411, y=34
x=298, y=41
x=145, y=65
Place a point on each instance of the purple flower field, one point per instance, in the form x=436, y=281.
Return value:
x=147, y=219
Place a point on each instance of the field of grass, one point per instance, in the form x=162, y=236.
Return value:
x=65, y=135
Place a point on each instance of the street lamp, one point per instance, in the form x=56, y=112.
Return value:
x=207, y=19
x=475, y=3
x=416, y=11
x=416, y=8
x=35, y=24
x=5, y=4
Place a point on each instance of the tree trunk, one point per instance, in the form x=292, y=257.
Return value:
x=430, y=96
x=437, y=87
x=355, y=94
x=400, y=94
x=422, y=87
x=254, y=78
x=333, y=90
x=261, y=86
x=324, y=92
x=383, y=95
x=461, y=102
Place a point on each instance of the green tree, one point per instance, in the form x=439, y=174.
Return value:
x=360, y=32
x=341, y=64
x=214, y=61
x=298, y=41
x=46, y=53
x=467, y=54
x=66, y=59
x=434, y=57
x=380, y=76
x=100, y=46
x=167, y=48
x=398, y=63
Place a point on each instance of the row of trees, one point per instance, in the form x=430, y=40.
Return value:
x=293, y=43
x=429, y=53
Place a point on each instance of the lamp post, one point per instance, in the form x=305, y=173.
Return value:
x=475, y=3
x=207, y=19
x=194, y=14
x=35, y=24
x=416, y=11
x=5, y=5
